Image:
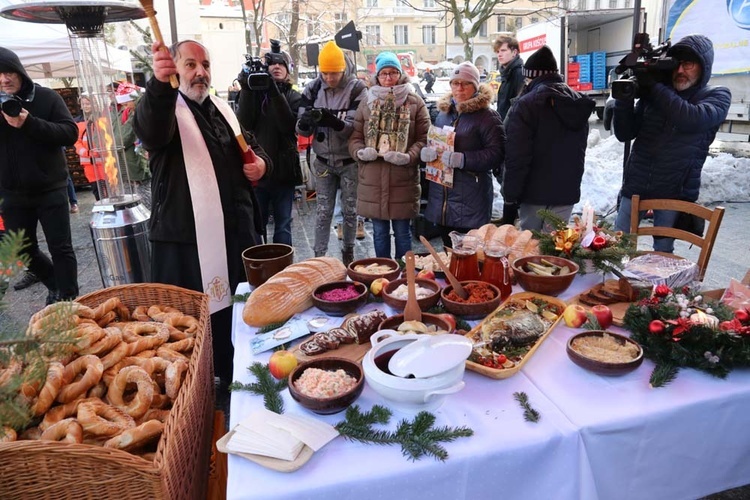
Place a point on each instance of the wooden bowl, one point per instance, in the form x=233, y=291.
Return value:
x=601, y=367
x=392, y=322
x=342, y=307
x=368, y=278
x=424, y=303
x=469, y=311
x=328, y=406
x=545, y=285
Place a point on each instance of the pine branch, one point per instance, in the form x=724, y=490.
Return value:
x=529, y=413
x=266, y=386
x=662, y=375
x=268, y=328
x=240, y=298
x=417, y=438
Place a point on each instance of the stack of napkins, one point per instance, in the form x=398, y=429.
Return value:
x=269, y=434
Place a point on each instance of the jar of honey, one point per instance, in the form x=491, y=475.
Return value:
x=496, y=269
x=464, y=263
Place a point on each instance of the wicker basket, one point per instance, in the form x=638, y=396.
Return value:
x=51, y=470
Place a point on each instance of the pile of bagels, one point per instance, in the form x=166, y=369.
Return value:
x=118, y=375
x=518, y=243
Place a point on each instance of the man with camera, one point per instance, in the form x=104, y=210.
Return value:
x=673, y=124
x=35, y=126
x=326, y=112
x=266, y=102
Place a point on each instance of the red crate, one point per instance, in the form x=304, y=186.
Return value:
x=586, y=86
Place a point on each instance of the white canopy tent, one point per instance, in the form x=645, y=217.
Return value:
x=45, y=51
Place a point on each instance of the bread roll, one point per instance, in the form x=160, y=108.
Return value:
x=290, y=291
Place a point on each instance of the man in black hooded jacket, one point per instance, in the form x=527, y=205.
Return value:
x=547, y=129
x=35, y=125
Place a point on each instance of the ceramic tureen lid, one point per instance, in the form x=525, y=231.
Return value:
x=430, y=355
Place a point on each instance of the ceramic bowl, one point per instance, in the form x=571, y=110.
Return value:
x=467, y=310
x=407, y=394
x=393, y=322
x=328, y=406
x=545, y=285
x=601, y=367
x=368, y=278
x=341, y=307
x=424, y=303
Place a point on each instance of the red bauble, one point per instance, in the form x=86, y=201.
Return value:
x=598, y=242
x=662, y=290
x=656, y=327
x=742, y=315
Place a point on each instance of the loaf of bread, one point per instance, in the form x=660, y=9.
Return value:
x=290, y=291
x=519, y=243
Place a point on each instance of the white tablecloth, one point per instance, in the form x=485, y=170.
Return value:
x=599, y=437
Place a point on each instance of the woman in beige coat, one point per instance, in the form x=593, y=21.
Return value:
x=389, y=191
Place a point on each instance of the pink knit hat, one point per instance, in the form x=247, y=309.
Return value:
x=466, y=72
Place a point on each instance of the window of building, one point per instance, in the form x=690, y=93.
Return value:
x=429, y=3
x=534, y=20
x=402, y=4
x=401, y=34
x=428, y=34
x=372, y=34
x=627, y=4
x=612, y=4
x=339, y=21
x=310, y=28
x=483, y=29
x=597, y=4
x=372, y=3
x=501, y=23
x=519, y=22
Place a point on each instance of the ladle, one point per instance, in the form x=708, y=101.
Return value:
x=448, y=274
x=412, y=312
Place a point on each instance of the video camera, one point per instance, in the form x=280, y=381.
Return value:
x=10, y=104
x=644, y=58
x=258, y=77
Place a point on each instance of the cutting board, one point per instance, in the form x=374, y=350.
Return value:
x=618, y=308
x=352, y=352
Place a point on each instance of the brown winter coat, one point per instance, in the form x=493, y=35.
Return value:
x=387, y=191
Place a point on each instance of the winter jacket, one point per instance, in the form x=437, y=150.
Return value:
x=511, y=84
x=387, y=191
x=32, y=160
x=171, y=214
x=547, y=129
x=672, y=131
x=93, y=166
x=272, y=116
x=342, y=101
x=481, y=138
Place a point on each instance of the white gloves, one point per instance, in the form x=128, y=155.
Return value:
x=428, y=154
x=397, y=158
x=455, y=160
x=367, y=154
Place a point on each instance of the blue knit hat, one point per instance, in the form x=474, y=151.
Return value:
x=386, y=60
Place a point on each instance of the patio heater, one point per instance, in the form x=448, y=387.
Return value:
x=119, y=224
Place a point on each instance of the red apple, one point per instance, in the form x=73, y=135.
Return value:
x=603, y=315
x=377, y=286
x=281, y=364
x=450, y=319
x=427, y=274
x=574, y=316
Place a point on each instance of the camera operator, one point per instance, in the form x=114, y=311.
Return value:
x=326, y=112
x=673, y=125
x=35, y=125
x=268, y=114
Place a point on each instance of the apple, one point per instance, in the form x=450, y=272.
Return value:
x=427, y=274
x=450, y=319
x=281, y=364
x=574, y=316
x=377, y=286
x=603, y=315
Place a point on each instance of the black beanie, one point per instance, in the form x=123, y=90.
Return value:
x=541, y=62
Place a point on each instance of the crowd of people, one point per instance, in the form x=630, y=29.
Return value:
x=211, y=198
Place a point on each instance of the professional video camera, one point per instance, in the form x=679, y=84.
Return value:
x=258, y=77
x=644, y=58
x=10, y=104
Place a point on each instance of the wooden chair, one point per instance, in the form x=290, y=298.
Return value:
x=706, y=243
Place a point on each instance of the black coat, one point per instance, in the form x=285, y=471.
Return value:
x=270, y=116
x=511, y=84
x=171, y=215
x=481, y=138
x=32, y=160
x=672, y=132
x=547, y=129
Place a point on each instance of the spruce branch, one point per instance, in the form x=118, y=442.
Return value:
x=529, y=413
x=662, y=375
x=240, y=298
x=272, y=326
x=266, y=386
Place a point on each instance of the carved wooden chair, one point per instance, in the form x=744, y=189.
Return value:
x=706, y=243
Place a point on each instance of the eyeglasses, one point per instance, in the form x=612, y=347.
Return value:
x=460, y=84
x=688, y=65
x=389, y=74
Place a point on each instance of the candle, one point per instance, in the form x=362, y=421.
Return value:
x=588, y=218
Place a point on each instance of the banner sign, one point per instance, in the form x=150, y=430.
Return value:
x=534, y=43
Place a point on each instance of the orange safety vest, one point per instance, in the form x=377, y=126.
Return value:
x=93, y=167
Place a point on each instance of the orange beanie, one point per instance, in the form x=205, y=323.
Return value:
x=331, y=59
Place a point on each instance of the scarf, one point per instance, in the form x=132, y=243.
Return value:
x=400, y=92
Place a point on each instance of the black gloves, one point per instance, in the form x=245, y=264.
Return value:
x=510, y=213
x=329, y=120
x=309, y=120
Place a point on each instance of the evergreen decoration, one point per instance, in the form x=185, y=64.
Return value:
x=240, y=298
x=606, y=250
x=461, y=324
x=417, y=438
x=266, y=386
x=681, y=330
x=529, y=413
x=272, y=326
